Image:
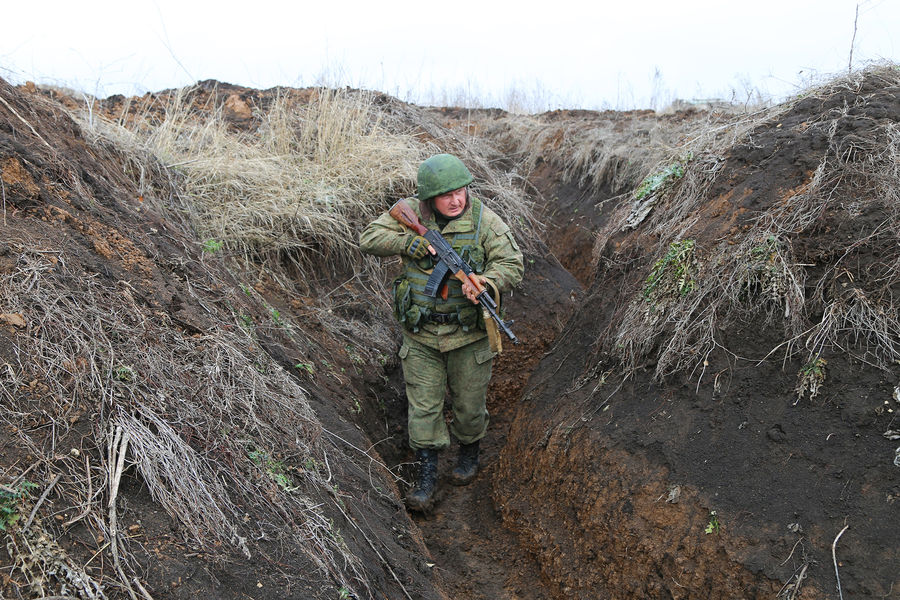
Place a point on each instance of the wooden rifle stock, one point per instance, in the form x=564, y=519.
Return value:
x=404, y=214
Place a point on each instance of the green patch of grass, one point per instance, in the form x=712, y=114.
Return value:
x=811, y=378
x=211, y=246
x=275, y=469
x=671, y=275
x=654, y=182
x=302, y=366
x=124, y=374
x=713, y=525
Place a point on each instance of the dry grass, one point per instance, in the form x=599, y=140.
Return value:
x=610, y=153
x=39, y=560
x=190, y=413
x=213, y=426
x=756, y=269
x=302, y=184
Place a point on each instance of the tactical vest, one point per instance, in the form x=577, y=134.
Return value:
x=414, y=308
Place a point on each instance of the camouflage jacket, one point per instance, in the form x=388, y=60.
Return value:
x=494, y=254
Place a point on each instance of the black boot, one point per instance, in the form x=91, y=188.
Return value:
x=421, y=497
x=466, y=464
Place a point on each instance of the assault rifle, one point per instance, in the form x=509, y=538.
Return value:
x=449, y=262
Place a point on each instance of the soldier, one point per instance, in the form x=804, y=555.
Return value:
x=445, y=343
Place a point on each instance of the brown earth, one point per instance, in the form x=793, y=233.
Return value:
x=594, y=484
x=72, y=214
x=614, y=482
x=74, y=211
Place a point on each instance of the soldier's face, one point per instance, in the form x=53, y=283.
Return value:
x=451, y=204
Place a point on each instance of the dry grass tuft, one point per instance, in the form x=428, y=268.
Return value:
x=609, y=154
x=40, y=561
x=302, y=184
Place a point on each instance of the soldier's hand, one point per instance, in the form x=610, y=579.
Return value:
x=417, y=247
x=470, y=291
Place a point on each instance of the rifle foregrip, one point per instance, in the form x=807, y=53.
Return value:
x=473, y=280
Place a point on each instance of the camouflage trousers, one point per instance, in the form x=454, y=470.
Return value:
x=429, y=373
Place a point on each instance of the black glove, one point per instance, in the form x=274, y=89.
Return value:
x=417, y=247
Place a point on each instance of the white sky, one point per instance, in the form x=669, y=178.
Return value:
x=585, y=53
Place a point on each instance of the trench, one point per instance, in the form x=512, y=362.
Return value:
x=473, y=555
x=573, y=501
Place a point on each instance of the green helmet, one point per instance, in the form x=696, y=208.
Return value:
x=440, y=174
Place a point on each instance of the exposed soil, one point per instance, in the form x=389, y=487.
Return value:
x=478, y=556
x=720, y=482
x=71, y=214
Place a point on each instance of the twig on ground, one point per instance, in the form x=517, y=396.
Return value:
x=142, y=589
x=41, y=500
x=87, y=502
x=22, y=475
x=834, y=558
x=800, y=579
x=3, y=194
x=117, y=451
x=792, y=551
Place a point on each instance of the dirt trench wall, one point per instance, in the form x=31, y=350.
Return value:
x=613, y=469
x=111, y=313
x=590, y=490
x=613, y=486
x=610, y=526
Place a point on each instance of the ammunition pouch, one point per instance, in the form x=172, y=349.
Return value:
x=414, y=308
x=410, y=315
x=443, y=318
x=469, y=318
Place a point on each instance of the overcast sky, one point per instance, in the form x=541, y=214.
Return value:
x=555, y=53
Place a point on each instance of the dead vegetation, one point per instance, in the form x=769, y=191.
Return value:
x=313, y=169
x=748, y=261
x=191, y=413
x=610, y=153
x=299, y=185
